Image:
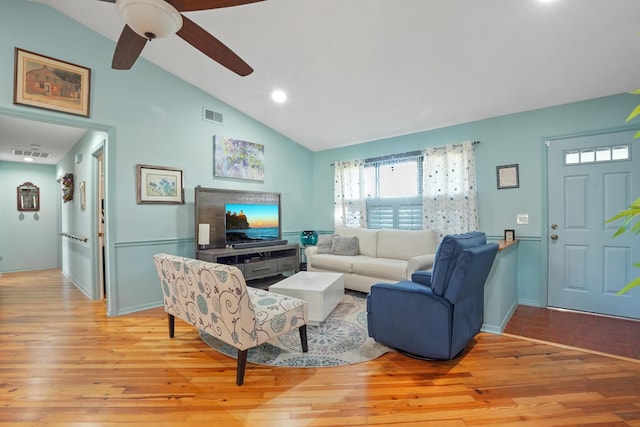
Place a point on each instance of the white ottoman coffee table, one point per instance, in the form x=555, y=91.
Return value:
x=322, y=292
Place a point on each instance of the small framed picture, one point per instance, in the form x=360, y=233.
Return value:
x=509, y=235
x=159, y=184
x=507, y=176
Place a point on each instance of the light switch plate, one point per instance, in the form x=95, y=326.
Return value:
x=522, y=219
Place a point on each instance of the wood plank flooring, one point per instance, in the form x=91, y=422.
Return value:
x=604, y=334
x=63, y=362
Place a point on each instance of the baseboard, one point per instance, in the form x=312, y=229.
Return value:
x=498, y=329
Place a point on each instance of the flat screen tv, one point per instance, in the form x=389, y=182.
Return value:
x=249, y=222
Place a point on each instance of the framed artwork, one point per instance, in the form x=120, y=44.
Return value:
x=507, y=176
x=28, y=197
x=509, y=235
x=52, y=84
x=83, y=195
x=234, y=158
x=160, y=185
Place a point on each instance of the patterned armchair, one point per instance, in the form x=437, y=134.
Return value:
x=438, y=312
x=215, y=299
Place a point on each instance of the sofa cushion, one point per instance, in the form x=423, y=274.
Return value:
x=339, y=264
x=367, y=239
x=344, y=245
x=404, y=244
x=384, y=268
x=324, y=243
x=447, y=253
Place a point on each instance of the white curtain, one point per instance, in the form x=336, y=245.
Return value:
x=450, y=201
x=350, y=205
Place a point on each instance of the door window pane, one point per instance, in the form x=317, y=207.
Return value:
x=587, y=156
x=571, y=157
x=603, y=154
x=600, y=154
x=620, y=152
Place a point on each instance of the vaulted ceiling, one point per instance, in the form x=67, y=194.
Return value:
x=361, y=70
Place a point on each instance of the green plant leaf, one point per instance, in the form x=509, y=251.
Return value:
x=632, y=284
x=634, y=113
x=618, y=232
x=619, y=215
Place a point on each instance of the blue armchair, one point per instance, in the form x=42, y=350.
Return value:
x=438, y=312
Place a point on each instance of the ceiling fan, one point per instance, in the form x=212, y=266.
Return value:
x=146, y=20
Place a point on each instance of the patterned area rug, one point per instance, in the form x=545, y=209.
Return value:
x=341, y=339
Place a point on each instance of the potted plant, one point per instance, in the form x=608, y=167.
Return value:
x=631, y=216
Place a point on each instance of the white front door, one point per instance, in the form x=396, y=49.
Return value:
x=591, y=178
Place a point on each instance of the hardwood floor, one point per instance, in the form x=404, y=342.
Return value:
x=63, y=362
x=596, y=333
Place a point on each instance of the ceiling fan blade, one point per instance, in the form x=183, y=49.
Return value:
x=192, y=5
x=129, y=46
x=212, y=47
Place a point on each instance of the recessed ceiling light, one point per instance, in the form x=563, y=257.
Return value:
x=28, y=159
x=278, y=96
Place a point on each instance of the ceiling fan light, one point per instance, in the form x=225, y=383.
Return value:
x=150, y=18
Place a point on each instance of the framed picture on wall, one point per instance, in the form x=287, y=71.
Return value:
x=159, y=184
x=507, y=176
x=235, y=158
x=50, y=83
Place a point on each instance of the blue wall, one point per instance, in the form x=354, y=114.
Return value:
x=151, y=117
x=512, y=139
x=78, y=257
x=29, y=240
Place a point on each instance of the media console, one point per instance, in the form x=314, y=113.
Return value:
x=256, y=262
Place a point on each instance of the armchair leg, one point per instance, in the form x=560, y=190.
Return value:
x=303, y=338
x=172, y=322
x=242, y=363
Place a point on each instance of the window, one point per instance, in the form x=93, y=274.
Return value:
x=393, y=189
x=598, y=155
x=394, y=192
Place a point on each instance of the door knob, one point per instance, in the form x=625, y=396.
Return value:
x=554, y=237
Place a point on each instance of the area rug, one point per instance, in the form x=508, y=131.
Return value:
x=342, y=339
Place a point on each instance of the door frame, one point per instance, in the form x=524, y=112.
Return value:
x=108, y=144
x=99, y=243
x=544, y=233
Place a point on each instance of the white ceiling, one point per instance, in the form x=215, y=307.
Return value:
x=361, y=70
x=23, y=134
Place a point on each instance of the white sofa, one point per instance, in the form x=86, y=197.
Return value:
x=382, y=255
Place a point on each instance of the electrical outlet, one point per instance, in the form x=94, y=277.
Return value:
x=522, y=219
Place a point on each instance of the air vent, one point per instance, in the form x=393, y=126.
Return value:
x=212, y=116
x=29, y=153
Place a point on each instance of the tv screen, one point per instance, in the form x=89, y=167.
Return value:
x=247, y=222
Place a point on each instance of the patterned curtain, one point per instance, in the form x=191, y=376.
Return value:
x=350, y=205
x=450, y=202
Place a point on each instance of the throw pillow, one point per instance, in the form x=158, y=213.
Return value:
x=324, y=243
x=343, y=245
